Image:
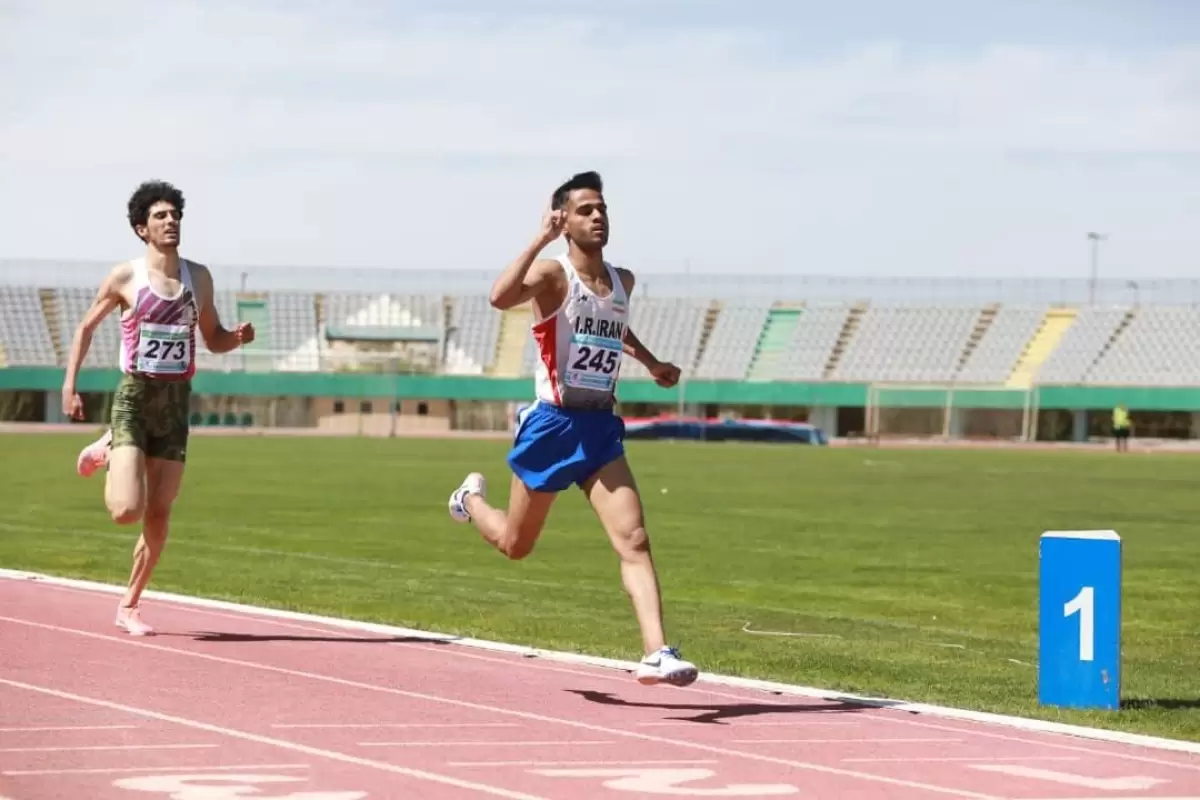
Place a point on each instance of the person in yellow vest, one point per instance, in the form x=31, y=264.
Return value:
x=1121, y=427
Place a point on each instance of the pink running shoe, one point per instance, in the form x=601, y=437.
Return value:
x=130, y=620
x=94, y=456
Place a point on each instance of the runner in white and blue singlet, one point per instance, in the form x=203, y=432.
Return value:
x=571, y=434
x=579, y=358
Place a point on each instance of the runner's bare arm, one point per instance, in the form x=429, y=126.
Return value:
x=633, y=347
x=107, y=298
x=665, y=373
x=217, y=338
x=631, y=344
x=527, y=275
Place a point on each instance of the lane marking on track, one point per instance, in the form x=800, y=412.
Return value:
x=828, y=770
x=951, y=759
x=282, y=743
x=846, y=741
x=622, y=763
x=881, y=708
x=100, y=747
x=390, y=725
x=122, y=770
x=489, y=743
x=64, y=728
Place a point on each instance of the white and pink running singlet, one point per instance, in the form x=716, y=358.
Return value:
x=158, y=334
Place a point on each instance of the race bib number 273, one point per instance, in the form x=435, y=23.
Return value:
x=163, y=349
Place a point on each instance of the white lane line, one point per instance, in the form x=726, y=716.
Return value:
x=63, y=728
x=300, y=748
x=949, y=759
x=693, y=745
x=844, y=741
x=622, y=763
x=729, y=723
x=99, y=747
x=492, y=743
x=121, y=770
x=1004, y=737
x=417, y=725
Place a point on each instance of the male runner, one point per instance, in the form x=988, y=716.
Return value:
x=163, y=299
x=571, y=435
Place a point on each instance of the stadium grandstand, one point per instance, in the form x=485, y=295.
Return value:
x=390, y=351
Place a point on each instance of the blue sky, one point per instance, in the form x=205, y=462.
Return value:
x=930, y=138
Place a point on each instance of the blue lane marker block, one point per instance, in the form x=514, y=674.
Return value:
x=1079, y=631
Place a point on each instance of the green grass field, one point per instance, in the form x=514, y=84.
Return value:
x=895, y=553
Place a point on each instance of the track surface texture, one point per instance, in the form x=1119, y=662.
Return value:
x=227, y=703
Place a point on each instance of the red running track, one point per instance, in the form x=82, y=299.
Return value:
x=225, y=705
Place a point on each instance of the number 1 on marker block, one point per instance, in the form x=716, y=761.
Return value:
x=1079, y=619
x=1083, y=605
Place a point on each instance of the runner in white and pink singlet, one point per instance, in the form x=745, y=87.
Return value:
x=158, y=335
x=163, y=299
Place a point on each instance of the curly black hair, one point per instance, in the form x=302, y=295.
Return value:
x=146, y=195
x=581, y=180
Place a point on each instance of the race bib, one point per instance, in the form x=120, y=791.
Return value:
x=592, y=363
x=164, y=349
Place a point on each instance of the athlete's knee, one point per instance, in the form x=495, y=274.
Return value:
x=158, y=514
x=125, y=516
x=519, y=540
x=516, y=548
x=124, y=512
x=632, y=543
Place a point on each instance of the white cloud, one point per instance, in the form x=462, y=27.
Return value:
x=303, y=134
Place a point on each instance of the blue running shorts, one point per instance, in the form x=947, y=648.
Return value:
x=555, y=447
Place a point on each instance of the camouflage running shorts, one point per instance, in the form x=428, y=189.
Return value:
x=152, y=415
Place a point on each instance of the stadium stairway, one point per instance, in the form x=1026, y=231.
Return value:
x=848, y=330
x=773, y=342
x=983, y=323
x=710, y=321
x=510, y=344
x=1054, y=326
x=50, y=306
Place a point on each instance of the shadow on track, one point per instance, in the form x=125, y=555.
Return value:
x=713, y=713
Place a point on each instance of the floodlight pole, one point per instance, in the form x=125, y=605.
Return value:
x=1096, y=239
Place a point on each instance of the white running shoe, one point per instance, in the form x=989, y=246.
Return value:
x=474, y=484
x=94, y=456
x=130, y=619
x=666, y=666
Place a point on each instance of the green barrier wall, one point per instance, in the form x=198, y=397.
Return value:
x=459, y=387
x=462, y=387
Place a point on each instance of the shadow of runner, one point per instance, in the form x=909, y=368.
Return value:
x=713, y=713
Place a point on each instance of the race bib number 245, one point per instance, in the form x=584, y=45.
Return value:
x=592, y=366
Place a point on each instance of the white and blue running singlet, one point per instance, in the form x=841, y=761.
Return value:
x=580, y=346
